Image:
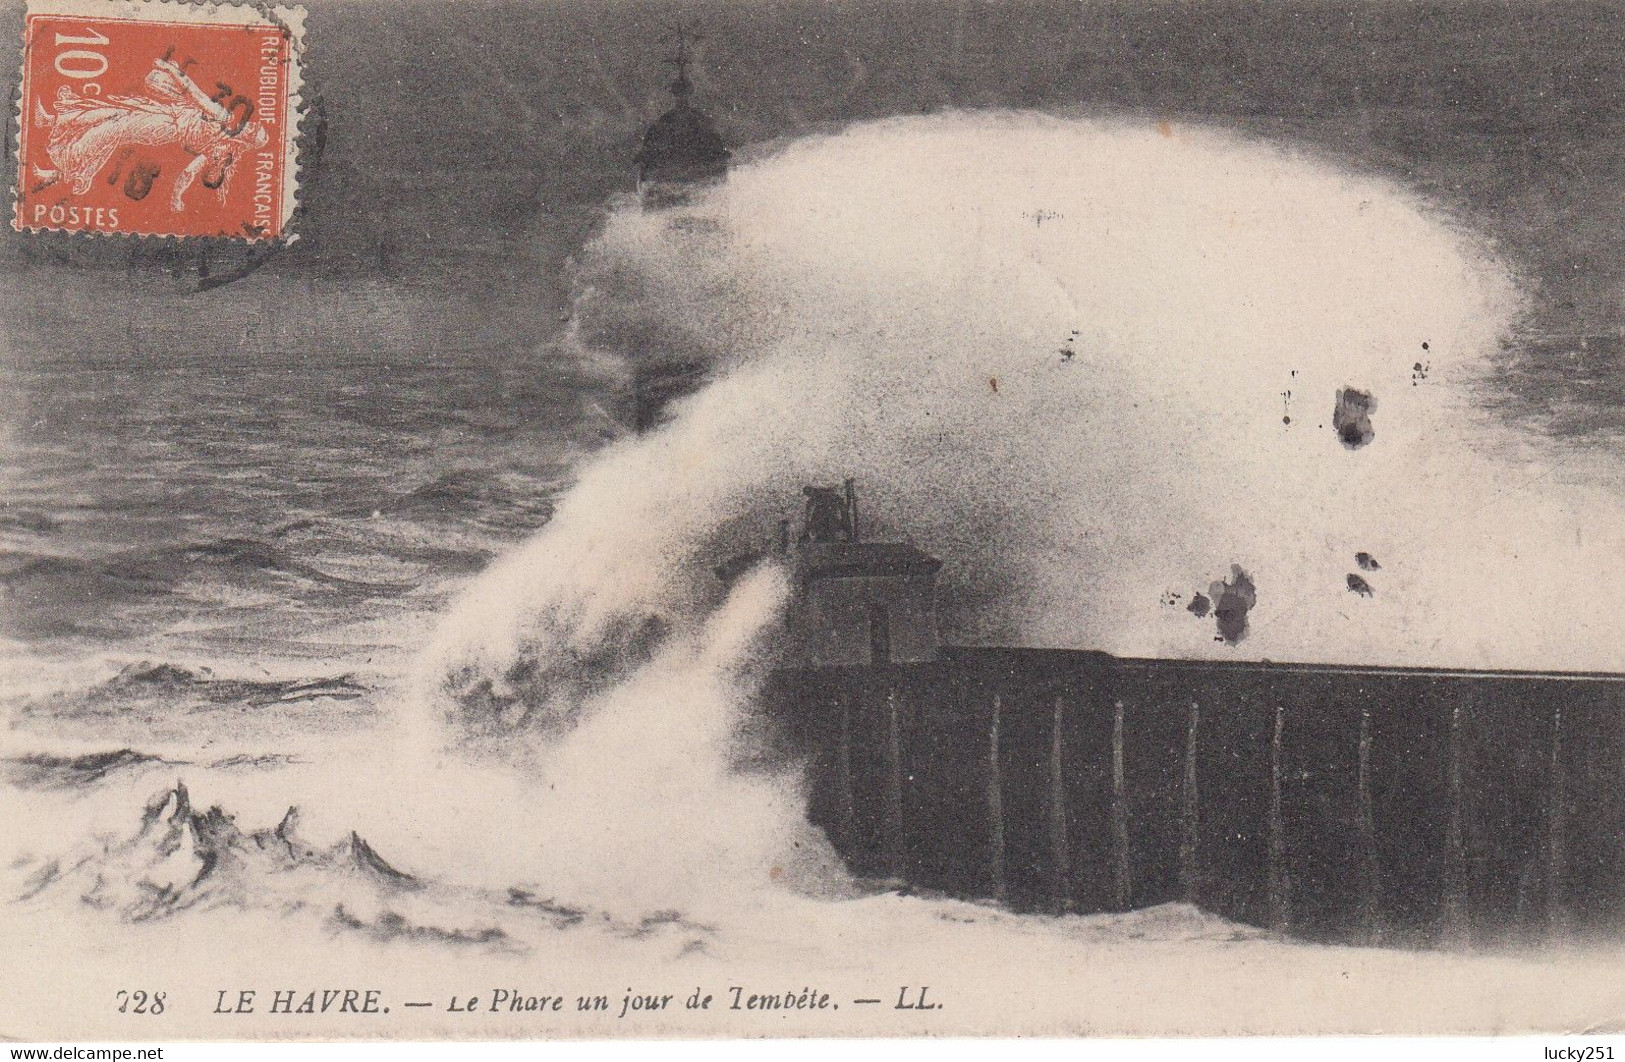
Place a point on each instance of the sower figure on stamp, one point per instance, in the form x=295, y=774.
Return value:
x=87, y=132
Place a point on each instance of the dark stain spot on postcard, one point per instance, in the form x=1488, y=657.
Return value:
x=1351, y=418
x=1232, y=599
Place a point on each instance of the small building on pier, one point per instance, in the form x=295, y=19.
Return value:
x=856, y=603
x=863, y=604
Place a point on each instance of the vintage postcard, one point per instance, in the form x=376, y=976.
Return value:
x=634, y=518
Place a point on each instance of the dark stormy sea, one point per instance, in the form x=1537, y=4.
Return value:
x=276, y=629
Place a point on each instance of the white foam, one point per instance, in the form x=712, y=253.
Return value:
x=890, y=303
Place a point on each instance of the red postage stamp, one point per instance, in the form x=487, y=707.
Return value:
x=147, y=117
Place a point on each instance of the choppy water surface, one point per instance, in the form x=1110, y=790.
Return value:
x=262, y=509
x=214, y=575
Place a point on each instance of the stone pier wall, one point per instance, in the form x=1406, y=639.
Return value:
x=1368, y=805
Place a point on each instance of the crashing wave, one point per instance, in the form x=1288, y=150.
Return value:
x=169, y=687
x=183, y=860
x=40, y=770
x=43, y=771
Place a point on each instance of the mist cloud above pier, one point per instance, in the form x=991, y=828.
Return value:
x=894, y=303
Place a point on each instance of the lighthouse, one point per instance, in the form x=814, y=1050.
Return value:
x=682, y=150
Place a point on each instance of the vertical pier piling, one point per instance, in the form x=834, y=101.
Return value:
x=1190, y=817
x=894, y=789
x=1059, y=849
x=1278, y=884
x=1453, y=906
x=1556, y=834
x=995, y=803
x=1121, y=873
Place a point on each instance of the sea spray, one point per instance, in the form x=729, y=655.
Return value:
x=655, y=793
x=649, y=798
x=1088, y=364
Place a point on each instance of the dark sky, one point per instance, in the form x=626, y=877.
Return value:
x=470, y=145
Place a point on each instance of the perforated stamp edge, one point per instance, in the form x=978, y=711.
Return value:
x=291, y=18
